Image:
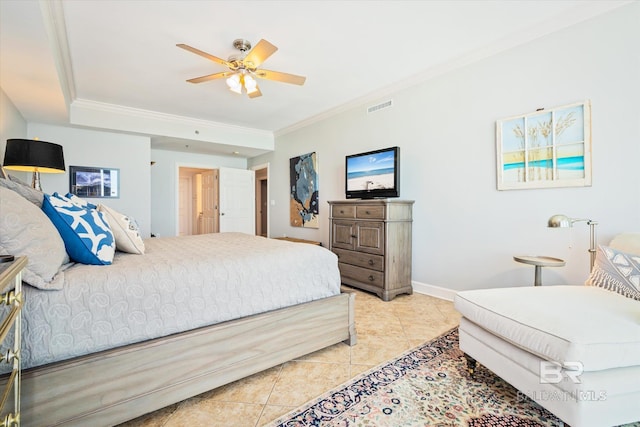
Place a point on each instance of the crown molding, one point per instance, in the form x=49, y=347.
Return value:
x=140, y=113
x=128, y=119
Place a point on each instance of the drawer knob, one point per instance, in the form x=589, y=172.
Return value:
x=371, y=279
x=371, y=262
x=367, y=212
x=341, y=211
x=354, y=236
x=8, y=357
x=10, y=298
x=11, y=419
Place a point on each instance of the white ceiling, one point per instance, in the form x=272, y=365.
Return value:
x=123, y=54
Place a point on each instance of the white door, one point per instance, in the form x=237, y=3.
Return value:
x=237, y=200
x=210, y=201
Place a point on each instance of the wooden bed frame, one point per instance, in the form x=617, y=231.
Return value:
x=117, y=385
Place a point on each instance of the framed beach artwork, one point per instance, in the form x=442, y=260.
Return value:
x=545, y=149
x=303, y=203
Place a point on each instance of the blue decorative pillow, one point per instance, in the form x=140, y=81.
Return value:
x=86, y=234
x=77, y=201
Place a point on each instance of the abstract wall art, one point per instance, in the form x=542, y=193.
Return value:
x=303, y=203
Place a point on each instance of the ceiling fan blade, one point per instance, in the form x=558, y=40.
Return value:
x=259, y=53
x=255, y=94
x=281, y=77
x=204, y=54
x=211, y=77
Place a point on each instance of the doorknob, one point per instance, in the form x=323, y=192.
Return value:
x=221, y=213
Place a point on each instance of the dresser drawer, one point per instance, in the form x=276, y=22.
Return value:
x=370, y=212
x=374, y=262
x=350, y=272
x=13, y=300
x=343, y=211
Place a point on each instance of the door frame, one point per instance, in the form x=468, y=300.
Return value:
x=189, y=191
x=266, y=166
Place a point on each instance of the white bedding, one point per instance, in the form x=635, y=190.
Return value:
x=180, y=283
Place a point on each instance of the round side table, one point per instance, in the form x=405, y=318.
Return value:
x=539, y=262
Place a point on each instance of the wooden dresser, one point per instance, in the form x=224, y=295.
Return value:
x=11, y=300
x=372, y=239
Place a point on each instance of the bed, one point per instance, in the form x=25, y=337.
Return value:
x=103, y=344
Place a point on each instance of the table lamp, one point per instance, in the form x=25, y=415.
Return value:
x=563, y=221
x=33, y=155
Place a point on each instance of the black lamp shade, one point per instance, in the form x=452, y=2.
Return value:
x=31, y=155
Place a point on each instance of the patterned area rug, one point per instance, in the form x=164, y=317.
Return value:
x=427, y=386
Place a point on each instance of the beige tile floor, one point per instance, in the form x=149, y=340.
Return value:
x=385, y=330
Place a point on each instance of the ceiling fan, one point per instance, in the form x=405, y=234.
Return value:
x=243, y=68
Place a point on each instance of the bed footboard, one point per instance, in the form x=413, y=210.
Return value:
x=120, y=384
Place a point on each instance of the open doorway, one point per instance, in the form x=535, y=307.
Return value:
x=197, y=201
x=262, y=200
x=215, y=200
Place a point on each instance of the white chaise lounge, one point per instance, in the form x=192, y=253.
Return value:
x=575, y=350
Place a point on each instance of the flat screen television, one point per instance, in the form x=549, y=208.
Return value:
x=374, y=174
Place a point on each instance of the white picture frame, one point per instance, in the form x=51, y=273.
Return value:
x=548, y=148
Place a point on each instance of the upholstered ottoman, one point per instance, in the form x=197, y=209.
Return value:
x=573, y=349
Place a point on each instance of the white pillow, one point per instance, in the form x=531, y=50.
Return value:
x=26, y=230
x=125, y=231
x=626, y=242
x=32, y=195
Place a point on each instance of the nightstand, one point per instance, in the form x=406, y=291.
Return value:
x=12, y=298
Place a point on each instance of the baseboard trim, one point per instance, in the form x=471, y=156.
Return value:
x=434, y=291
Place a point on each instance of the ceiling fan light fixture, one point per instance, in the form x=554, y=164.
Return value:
x=250, y=84
x=234, y=83
x=243, y=69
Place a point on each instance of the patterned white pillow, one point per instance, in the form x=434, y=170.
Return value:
x=85, y=232
x=125, y=230
x=616, y=271
x=26, y=230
